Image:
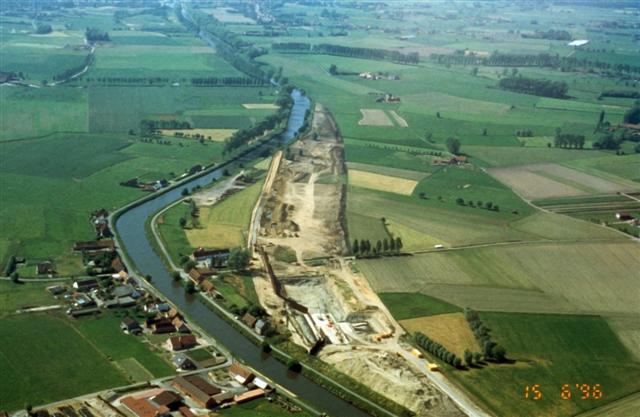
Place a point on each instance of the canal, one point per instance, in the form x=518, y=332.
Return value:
x=130, y=229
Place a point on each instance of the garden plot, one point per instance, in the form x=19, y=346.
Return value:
x=374, y=117
x=381, y=182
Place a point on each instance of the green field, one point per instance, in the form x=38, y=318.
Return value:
x=407, y=305
x=91, y=353
x=222, y=225
x=578, y=277
x=83, y=352
x=552, y=350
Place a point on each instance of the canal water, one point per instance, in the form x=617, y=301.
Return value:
x=131, y=232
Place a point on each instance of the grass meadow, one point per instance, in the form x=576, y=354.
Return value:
x=551, y=350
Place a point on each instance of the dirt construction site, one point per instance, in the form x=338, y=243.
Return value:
x=325, y=305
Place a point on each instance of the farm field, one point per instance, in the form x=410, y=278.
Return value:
x=552, y=350
x=450, y=330
x=408, y=305
x=381, y=182
x=570, y=273
x=68, y=342
x=540, y=181
x=224, y=224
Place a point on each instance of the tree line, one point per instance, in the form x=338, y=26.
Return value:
x=229, y=45
x=620, y=94
x=498, y=59
x=96, y=35
x=243, y=136
x=348, y=51
x=363, y=248
x=437, y=350
x=544, y=88
x=68, y=73
x=551, y=34
x=43, y=28
x=479, y=204
x=568, y=140
x=149, y=127
x=490, y=349
x=227, y=81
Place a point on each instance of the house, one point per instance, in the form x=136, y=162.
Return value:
x=195, y=276
x=210, y=256
x=249, y=395
x=182, y=342
x=172, y=314
x=141, y=407
x=160, y=325
x=116, y=265
x=241, y=374
x=183, y=362
x=86, y=285
x=130, y=325
x=163, y=307
x=94, y=245
x=180, y=325
x=249, y=320
x=624, y=216
x=198, y=389
x=45, y=268
x=168, y=399
x=207, y=286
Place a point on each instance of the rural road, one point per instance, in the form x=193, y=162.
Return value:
x=441, y=381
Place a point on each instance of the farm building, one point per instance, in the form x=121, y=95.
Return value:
x=168, y=399
x=198, y=389
x=249, y=395
x=208, y=257
x=86, y=285
x=207, y=286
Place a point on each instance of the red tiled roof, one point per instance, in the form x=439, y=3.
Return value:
x=143, y=408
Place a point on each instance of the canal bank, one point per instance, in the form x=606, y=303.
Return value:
x=129, y=225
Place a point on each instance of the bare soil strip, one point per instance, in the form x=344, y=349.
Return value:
x=399, y=120
x=374, y=117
